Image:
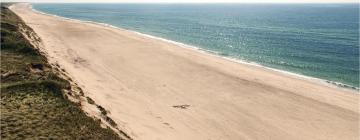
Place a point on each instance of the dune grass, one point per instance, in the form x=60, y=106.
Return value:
x=33, y=105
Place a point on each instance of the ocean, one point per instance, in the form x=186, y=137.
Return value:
x=316, y=40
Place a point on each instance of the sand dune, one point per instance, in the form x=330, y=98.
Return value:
x=157, y=90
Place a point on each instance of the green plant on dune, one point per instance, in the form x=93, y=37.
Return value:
x=33, y=104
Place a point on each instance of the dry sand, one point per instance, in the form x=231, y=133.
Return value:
x=139, y=80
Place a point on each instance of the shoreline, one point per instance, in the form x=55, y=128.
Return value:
x=215, y=54
x=157, y=90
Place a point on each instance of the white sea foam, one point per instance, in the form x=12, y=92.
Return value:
x=209, y=52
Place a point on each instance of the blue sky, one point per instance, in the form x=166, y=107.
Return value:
x=194, y=1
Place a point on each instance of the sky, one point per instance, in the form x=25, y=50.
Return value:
x=189, y=1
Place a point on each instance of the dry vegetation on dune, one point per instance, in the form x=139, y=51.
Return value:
x=33, y=104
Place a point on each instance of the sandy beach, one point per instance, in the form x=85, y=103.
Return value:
x=156, y=90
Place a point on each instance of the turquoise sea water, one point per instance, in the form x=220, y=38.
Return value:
x=317, y=40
